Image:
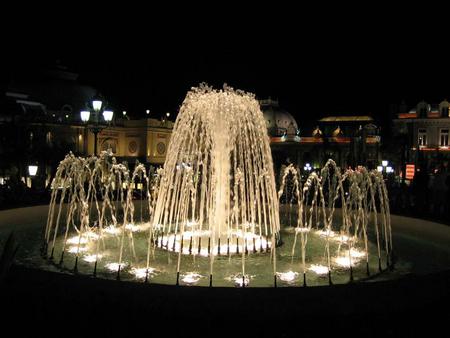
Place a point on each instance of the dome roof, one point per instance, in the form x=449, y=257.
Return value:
x=278, y=120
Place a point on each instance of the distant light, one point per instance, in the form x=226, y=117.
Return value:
x=97, y=105
x=384, y=163
x=67, y=116
x=389, y=169
x=32, y=170
x=124, y=113
x=147, y=111
x=167, y=114
x=380, y=168
x=85, y=114
x=108, y=115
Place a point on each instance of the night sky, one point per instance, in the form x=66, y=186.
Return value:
x=356, y=66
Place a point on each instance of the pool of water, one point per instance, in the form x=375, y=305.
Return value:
x=421, y=247
x=194, y=268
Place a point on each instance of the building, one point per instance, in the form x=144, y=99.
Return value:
x=421, y=133
x=40, y=123
x=349, y=140
x=146, y=140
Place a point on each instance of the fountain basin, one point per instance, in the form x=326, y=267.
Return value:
x=401, y=301
x=421, y=248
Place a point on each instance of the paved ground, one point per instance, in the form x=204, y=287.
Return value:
x=409, y=305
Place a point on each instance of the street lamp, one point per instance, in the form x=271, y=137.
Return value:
x=91, y=117
x=385, y=168
x=32, y=170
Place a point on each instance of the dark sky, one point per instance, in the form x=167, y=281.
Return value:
x=346, y=67
x=344, y=79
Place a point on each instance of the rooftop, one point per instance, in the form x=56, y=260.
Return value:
x=345, y=118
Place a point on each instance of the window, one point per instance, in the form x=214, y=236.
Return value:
x=422, y=137
x=444, y=138
x=423, y=111
x=48, y=138
x=444, y=112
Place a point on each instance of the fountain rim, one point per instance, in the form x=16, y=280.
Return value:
x=14, y=217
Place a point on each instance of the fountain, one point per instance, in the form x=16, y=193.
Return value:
x=218, y=191
x=212, y=215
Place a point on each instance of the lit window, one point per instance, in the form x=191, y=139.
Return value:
x=422, y=137
x=444, y=138
x=48, y=138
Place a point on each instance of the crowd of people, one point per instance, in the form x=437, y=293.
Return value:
x=16, y=194
x=427, y=195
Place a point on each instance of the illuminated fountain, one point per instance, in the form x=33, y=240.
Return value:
x=364, y=204
x=217, y=194
x=214, y=210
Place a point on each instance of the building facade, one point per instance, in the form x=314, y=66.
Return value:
x=146, y=140
x=348, y=140
x=40, y=123
x=422, y=135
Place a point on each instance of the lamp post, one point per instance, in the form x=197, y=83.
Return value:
x=307, y=167
x=385, y=168
x=32, y=171
x=91, y=117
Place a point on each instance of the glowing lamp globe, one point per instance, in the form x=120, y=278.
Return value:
x=97, y=105
x=85, y=114
x=108, y=115
x=32, y=170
